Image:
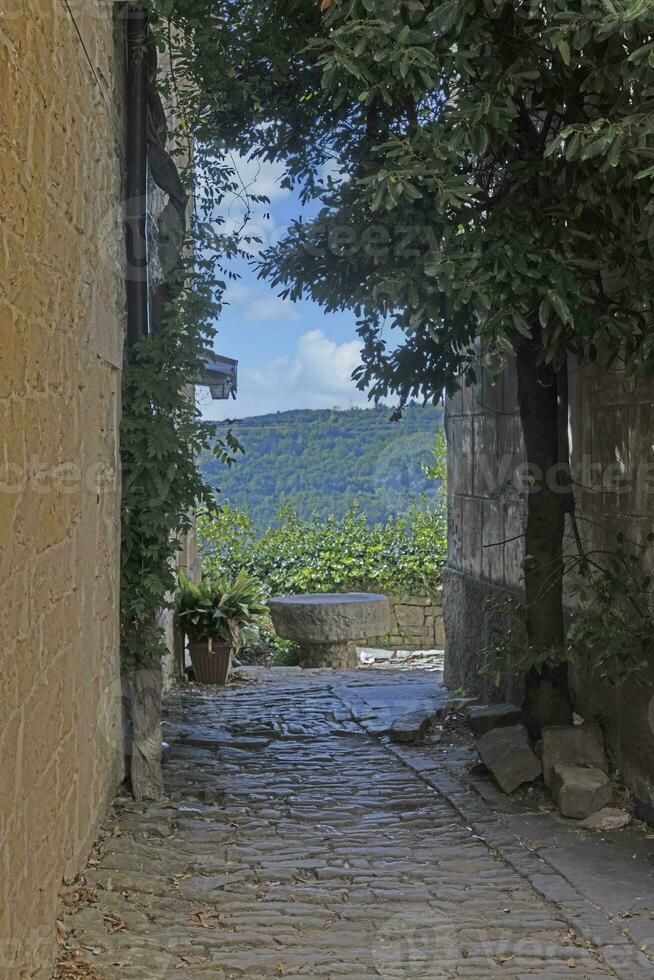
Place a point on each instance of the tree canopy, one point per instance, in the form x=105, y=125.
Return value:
x=491, y=162
x=484, y=170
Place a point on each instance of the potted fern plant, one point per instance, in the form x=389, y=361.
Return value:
x=214, y=614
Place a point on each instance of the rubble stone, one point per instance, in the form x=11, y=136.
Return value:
x=412, y=727
x=485, y=717
x=572, y=745
x=508, y=756
x=580, y=791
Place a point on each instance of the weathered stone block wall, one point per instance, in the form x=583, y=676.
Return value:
x=611, y=425
x=61, y=334
x=416, y=623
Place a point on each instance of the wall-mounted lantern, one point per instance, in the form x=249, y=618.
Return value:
x=219, y=376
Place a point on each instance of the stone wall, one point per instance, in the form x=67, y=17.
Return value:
x=61, y=334
x=611, y=425
x=416, y=623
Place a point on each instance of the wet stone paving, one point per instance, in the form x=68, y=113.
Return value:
x=293, y=842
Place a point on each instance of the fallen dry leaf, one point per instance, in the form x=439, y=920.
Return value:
x=207, y=918
x=114, y=923
x=78, y=896
x=191, y=961
x=74, y=964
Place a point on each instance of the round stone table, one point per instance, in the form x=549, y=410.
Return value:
x=328, y=626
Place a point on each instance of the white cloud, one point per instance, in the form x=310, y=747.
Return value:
x=237, y=293
x=268, y=308
x=317, y=375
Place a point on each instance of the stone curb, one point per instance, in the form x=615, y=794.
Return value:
x=617, y=951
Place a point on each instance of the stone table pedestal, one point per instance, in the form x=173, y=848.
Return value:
x=329, y=626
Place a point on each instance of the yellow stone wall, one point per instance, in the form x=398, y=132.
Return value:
x=61, y=335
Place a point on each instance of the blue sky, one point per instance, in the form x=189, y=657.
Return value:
x=291, y=355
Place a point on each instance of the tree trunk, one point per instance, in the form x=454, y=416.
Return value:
x=547, y=699
x=143, y=696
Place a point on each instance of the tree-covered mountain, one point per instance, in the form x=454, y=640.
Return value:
x=322, y=462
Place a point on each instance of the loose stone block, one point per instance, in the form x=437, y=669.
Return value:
x=485, y=717
x=579, y=792
x=412, y=727
x=508, y=756
x=572, y=745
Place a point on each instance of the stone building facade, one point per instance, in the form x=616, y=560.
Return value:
x=62, y=325
x=611, y=426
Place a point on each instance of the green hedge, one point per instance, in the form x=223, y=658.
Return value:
x=405, y=556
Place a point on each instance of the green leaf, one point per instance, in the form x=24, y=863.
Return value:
x=553, y=145
x=521, y=325
x=613, y=156
x=560, y=307
x=544, y=312
x=411, y=192
x=479, y=140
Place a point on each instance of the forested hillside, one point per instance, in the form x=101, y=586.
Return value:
x=322, y=462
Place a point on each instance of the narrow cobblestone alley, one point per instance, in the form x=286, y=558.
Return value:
x=295, y=843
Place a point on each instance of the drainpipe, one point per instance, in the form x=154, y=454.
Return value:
x=136, y=182
x=141, y=687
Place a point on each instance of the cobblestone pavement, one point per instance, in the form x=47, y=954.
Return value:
x=295, y=843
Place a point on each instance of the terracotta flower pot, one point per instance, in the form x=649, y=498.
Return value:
x=212, y=661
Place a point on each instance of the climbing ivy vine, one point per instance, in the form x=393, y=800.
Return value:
x=162, y=430
x=161, y=435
